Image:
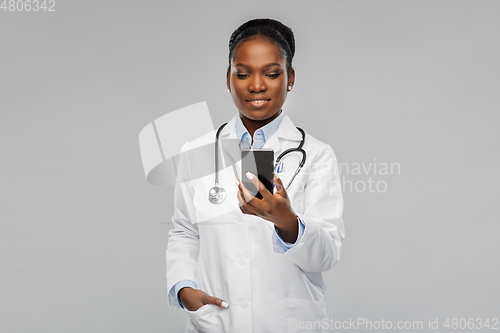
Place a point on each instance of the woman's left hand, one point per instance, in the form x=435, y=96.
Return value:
x=275, y=208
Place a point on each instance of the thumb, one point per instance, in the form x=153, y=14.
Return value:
x=280, y=189
x=217, y=301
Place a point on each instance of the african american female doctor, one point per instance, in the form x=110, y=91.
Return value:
x=249, y=264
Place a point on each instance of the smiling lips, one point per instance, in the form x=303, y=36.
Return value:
x=257, y=102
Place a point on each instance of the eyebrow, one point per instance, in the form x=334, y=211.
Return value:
x=265, y=66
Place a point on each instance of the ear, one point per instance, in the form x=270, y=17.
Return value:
x=291, y=78
x=228, y=84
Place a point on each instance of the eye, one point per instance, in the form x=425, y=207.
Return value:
x=241, y=76
x=273, y=76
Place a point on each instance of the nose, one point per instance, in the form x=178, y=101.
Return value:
x=257, y=84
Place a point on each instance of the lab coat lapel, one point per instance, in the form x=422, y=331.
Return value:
x=230, y=143
x=286, y=132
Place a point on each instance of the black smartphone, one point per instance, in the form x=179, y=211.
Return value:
x=260, y=162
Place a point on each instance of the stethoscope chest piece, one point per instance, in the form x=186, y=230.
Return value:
x=216, y=194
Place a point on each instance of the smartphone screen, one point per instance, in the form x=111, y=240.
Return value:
x=260, y=162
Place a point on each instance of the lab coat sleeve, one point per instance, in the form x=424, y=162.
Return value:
x=184, y=241
x=280, y=245
x=319, y=248
x=183, y=284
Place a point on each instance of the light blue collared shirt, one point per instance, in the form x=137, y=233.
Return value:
x=260, y=137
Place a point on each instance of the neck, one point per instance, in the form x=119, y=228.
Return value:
x=253, y=125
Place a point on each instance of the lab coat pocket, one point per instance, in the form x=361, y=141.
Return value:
x=206, y=319
x=306, y=316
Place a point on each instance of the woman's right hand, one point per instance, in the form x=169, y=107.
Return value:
x=193, y=299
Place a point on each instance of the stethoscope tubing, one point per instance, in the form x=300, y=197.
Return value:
x=217, y=194
x=217, y=153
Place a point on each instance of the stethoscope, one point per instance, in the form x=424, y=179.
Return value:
x=217, y=194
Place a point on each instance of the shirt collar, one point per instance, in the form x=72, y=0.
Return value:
x=267, y=130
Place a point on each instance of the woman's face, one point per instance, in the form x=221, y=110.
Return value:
x=258, y=79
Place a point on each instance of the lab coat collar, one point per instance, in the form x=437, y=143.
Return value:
x=286, y=132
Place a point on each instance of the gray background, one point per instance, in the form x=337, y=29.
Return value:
x=83, y=236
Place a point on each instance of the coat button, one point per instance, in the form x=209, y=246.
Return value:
x=242, y=261
x=244, y=304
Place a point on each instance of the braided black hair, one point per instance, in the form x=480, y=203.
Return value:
x=272, y=29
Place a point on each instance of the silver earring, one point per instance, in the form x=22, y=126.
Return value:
x=289, y=88
x=228, y=91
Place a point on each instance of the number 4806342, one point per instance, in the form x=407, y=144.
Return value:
x=28, y=5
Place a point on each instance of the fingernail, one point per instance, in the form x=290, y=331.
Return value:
x=249, y=175
x=237, y=182
x=224, y=304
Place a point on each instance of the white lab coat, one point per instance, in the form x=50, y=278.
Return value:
x=230, y=255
